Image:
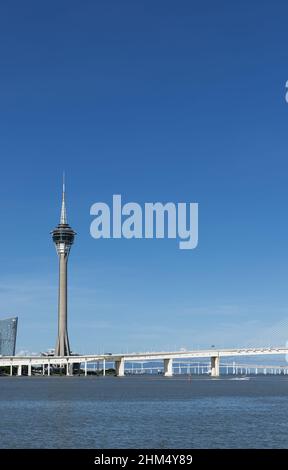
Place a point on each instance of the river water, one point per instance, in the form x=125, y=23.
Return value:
x=143, y=412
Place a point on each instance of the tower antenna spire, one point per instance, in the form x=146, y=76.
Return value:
x=63, y=218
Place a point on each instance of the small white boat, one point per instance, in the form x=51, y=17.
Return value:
x=240, y=378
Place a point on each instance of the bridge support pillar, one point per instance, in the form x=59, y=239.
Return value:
x=69, y=369
x=19, y=370
x=215, y=366
x=104, y=367
x=85, y=368
x=120, y=367
x=48, y=368
x=11, y=371
x=29, y=369
x=168, y=367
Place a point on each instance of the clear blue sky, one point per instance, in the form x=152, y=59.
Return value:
x=157, y=101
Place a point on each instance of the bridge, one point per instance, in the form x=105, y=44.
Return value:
x=48, y=362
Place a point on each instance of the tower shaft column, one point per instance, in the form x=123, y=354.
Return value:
x=62, y=347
